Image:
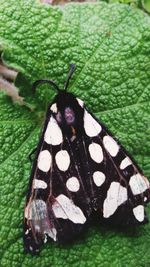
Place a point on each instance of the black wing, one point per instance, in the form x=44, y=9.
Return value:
x=120, y=188
x=58, y=202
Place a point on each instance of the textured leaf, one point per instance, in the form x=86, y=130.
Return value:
x=110, y=44
x=146, y=5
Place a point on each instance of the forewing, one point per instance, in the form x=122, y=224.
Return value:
x=58, y=203
x=120, y=190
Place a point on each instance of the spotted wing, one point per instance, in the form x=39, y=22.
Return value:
x=58, y=203
x=71, y=177
x=119, y=189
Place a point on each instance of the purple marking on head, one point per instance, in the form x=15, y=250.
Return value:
x=69, y=115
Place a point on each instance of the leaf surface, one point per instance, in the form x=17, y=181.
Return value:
x=110, y=45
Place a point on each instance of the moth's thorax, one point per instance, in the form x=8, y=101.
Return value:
x=67, y=115
x=68, y=112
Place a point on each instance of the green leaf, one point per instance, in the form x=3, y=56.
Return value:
x=110, y=45
x=146, y=5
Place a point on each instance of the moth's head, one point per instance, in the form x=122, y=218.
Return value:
x=66, y=108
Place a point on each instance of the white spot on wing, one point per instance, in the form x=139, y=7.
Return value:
x=81, y=103
x=91, y=126
x=116, y=195
x=99, y=178
x=53, y=134
x=125, y=163
x=37, y=210
x=38, y=214
x=59, y=210
x=138, y=184
x=73, y=184
x=139, y=213
x=45, y=239
x=26, y=212
x=27, y=232
x=96, y=152
x=111, y=145
x=64, y=208
x=53, y=108
x=44, y=161
x=62, y=160
x=51, y=232
x=39, y=184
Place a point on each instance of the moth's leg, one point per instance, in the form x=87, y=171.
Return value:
x=32, y=153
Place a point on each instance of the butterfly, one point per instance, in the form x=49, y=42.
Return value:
x=79, y=168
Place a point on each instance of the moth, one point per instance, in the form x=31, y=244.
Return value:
x=79, y=168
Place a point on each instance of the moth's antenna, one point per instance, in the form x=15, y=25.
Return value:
x=54, y=85
x=71, y=71
x=39, y=82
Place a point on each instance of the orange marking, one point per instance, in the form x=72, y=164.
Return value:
x=73, y=130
